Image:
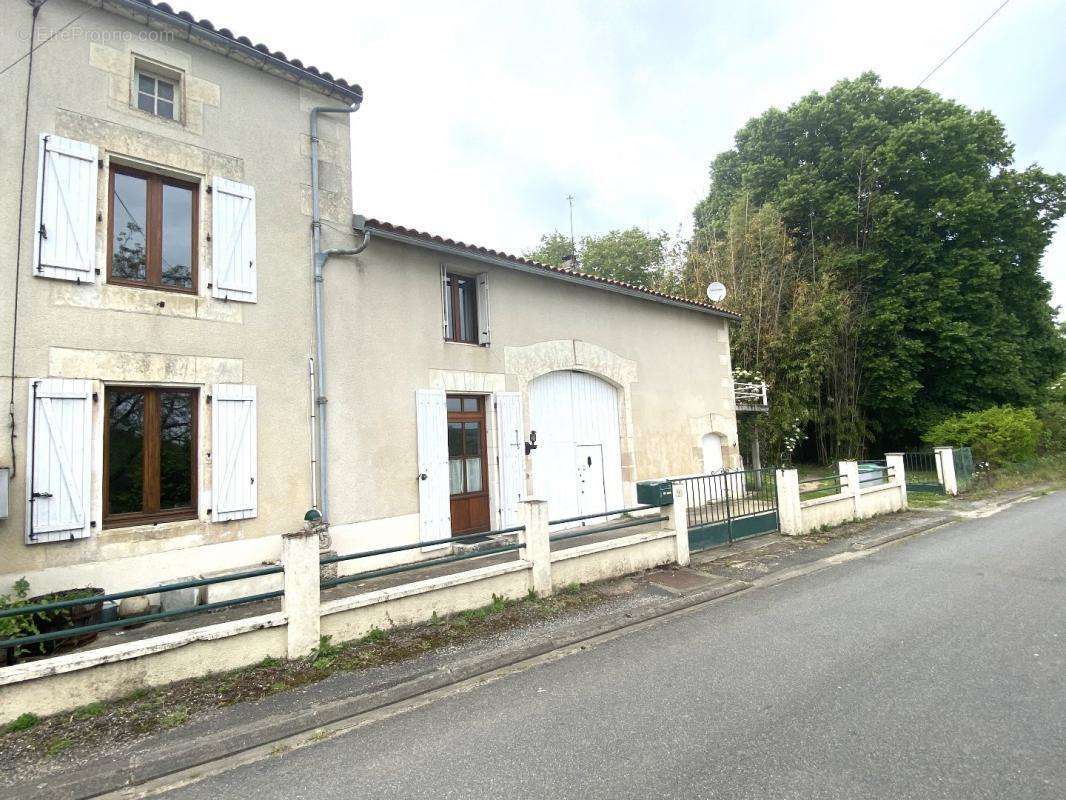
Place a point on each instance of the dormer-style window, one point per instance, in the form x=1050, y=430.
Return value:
x=156, y=95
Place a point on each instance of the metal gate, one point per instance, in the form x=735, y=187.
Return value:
x=727, y=506
x=924, y=471
x=962, y=457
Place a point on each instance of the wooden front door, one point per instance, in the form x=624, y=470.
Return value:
x=467, y=467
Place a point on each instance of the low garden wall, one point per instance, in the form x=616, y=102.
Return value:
x=61, y=683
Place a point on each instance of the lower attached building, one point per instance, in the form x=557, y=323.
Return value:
x=460, y=380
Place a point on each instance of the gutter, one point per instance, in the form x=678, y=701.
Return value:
x=320, y=503
x=499, y=261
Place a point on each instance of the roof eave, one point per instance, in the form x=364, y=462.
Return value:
x=154, y=17
x=500, y=261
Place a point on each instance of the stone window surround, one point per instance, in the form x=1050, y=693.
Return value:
x=156, y=69
x=144, y=150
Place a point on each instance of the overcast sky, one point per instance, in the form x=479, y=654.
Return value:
x=480, y=117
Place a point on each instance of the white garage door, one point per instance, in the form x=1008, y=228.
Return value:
x=577, y=466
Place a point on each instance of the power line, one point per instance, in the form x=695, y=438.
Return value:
x=55, y=33
x=961, y=45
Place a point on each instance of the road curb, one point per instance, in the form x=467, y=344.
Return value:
x=117, y=774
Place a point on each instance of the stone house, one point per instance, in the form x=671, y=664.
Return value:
x=175, y=405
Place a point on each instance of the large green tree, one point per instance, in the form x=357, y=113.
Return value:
x=906, y=206
x=631, y=255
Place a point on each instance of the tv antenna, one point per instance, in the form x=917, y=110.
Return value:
x=573, y=246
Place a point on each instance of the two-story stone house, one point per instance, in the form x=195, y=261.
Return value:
x=173, y=406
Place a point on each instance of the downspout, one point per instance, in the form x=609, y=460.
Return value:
x=320, y=257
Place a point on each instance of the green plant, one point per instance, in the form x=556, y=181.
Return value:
x=57, y=746
x=998, y=435
x=178, y=716
x=23, y=722
x=90, y=710
x=1053, y=417
x=375, y=635
x=19, y=625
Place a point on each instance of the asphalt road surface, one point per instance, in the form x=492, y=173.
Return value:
x=933, y=668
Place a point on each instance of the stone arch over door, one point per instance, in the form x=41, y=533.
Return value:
x=525, y=364
x=713, y=446
x=719, y=425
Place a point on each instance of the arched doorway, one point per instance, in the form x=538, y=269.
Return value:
x=577, y=465
x=712, y=453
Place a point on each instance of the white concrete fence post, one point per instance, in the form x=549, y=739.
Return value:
x=849, y=479
x=299, y=554
x=945, y=459
x=899, y=475
x=789, y=510
x=678, y=523
x=536, y=547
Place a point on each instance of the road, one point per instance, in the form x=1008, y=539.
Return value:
x=932, y=668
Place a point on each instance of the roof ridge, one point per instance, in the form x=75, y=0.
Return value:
x=350, y=90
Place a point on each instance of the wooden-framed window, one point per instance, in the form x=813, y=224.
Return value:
x=460, y=309
x=150, y=464
x=154, y=230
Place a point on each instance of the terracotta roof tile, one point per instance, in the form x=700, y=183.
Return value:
x=348, y=88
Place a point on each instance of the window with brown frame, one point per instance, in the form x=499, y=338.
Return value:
x=154, y=224
x=460, y=309
x=149, y=455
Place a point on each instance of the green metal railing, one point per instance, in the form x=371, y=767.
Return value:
x=39, y=609
x=823, y=486
x=422, y=564
x=964, y=467
x=629, y=523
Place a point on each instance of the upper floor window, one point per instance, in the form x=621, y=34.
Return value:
x=153, y=230
x=466, y=307
x=157, y=92
x=460, y=309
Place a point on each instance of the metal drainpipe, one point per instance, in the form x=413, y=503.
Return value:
x=319, y=259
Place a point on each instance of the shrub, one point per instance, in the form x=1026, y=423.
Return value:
x=1053, y=418
x=998, y=435
x=17, y=626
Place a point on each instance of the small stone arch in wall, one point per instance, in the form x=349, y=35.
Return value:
x=725, y=429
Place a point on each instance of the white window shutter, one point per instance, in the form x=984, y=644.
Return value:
x=510, y=444
x=234, y=468
x=64, y=241
x=233, y=263
x=483, y=308
x=444, y=296
x=59, y=461
x=434, y=501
